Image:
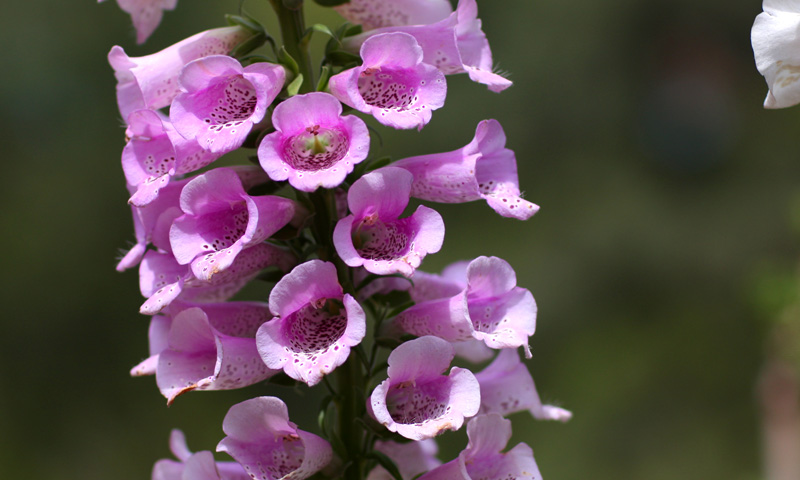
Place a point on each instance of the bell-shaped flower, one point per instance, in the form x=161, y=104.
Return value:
x=220, y=220
x=313, y=144
x=220, y=100
x=417, y=400
x=455, y=44
x=372, y=14
x=316, y=324
x=483, y=169
x=776, y=45
x=194, y=466
x=235, y=319
x=151, y=223
x=507, y=387
x=374, y=236
x=483, y=458
x=162, y=279
x=411, y=458
x=491, y=308
x=200, y=357
x=151, y=82
x=155, y=153
x=270, y=447
x=393, y=84
x=145, y=14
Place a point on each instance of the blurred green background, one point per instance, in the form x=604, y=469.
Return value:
x=666, y=192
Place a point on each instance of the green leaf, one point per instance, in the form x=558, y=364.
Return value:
x=293, y=88
x=288, y=61
x=324, y=76
x=247, y=22
x=323, y=410
x=386, y=463
x=331, y=3
x=321, y=28
x=248, y=45
x=342, y=58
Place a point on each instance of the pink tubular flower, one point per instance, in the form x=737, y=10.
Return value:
x=145, y=14
x=151, y=82
x=483, y=169
x=491, y=308
x=199, y=357
x=194, y=466
x=313, y=145
x=455, y=44
x=155, y=153
x=417, y=401
x=316, y=326
x=374, y=237
x=483, y=460
x=507, y=387
x=151, y=224
x=412, y=458
x=162, y=279
x=372, y=14
x=221, y=100
x=220, y=220
x=270, y=447
x=393, y=85
x=235, y=319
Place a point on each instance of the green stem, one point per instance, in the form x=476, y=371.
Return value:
x=293, y=27
x=349, y=378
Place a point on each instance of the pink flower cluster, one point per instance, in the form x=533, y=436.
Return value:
x=325, y=225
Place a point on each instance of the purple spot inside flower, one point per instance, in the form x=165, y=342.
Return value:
x=236, y=104
x=315, y=149
x=414, y=403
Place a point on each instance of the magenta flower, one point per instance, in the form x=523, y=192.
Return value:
x=235, y=319
x=417, y=401
x=313, y=145
x=151, y=223
x=455, y=44
x=155, y=153
x=221, y=100
x=392, y=84
x=483, y=169
x=316, y=323
x=199, y=357
x=491, y=308
x=151, y=82
x=507, y=387
x=162, y=279
x=145, y=14
x=270, y=447
x=372, y=14
x=411, y=458
x=374, y=236
x=194, y=466
x=220, y=220
x=483, y=460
